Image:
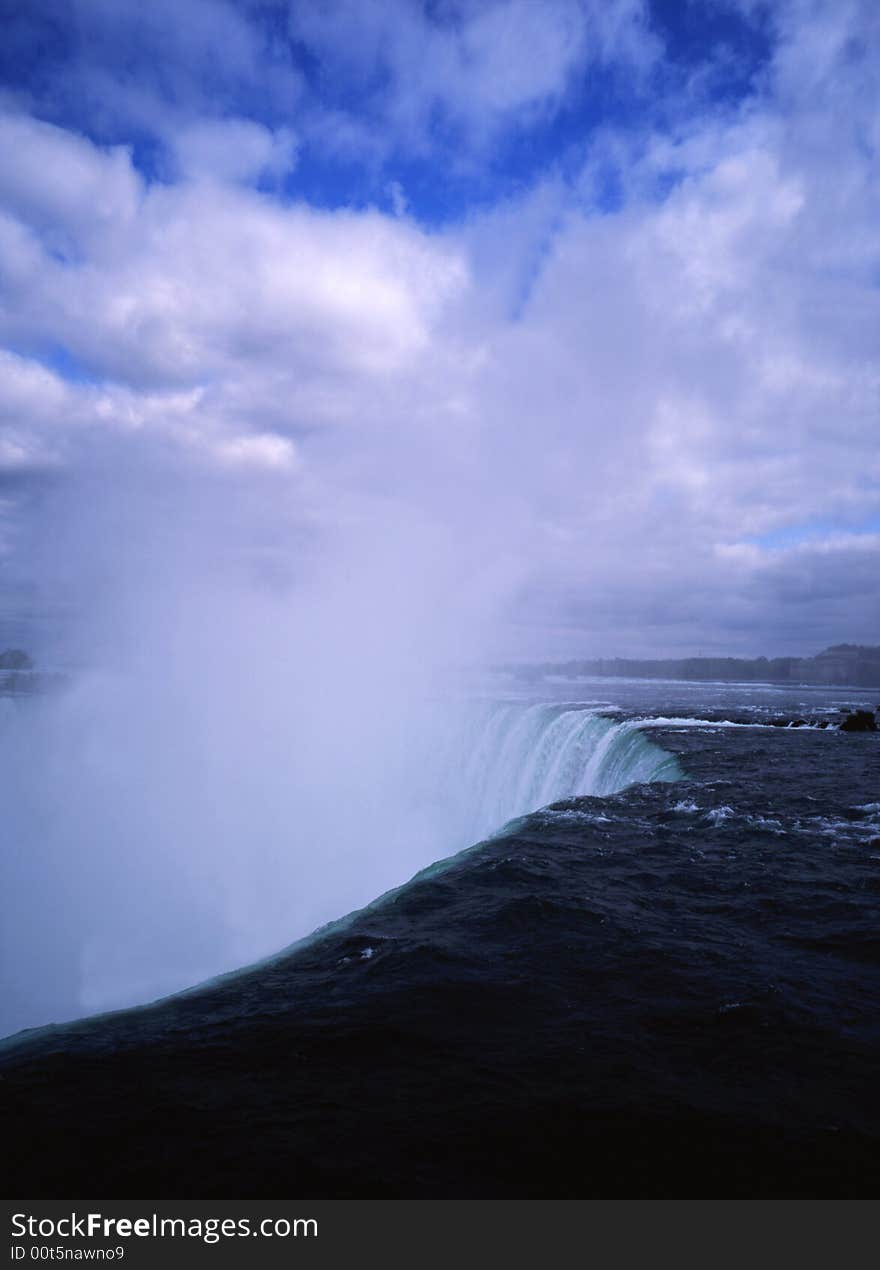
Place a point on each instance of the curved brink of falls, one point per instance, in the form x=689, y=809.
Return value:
x=514, y=760
x=467, y=779
x=508, y=760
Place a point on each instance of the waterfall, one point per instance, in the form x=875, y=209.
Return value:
x=511, y=759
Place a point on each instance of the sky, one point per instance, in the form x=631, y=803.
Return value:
x=557, y=319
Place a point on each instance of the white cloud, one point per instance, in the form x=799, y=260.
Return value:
x=263, y=450
x=233, y=150
x=484, y=66
x=604, y=397
x=189, y=283
x=68, y=191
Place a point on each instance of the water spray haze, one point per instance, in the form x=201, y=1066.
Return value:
x=242, y=755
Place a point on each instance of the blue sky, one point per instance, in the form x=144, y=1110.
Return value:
x=307, y=62
x=583, y=295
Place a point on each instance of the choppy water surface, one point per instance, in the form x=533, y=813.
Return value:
x=661, y=988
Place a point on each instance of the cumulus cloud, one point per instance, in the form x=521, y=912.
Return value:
x=700, y=370
x=631, y=386
x=122, y=69
x=64, y=190
x=182, y=284
x=233, y=150
x=478, y=68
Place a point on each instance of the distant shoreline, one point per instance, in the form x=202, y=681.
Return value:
x=841, y=666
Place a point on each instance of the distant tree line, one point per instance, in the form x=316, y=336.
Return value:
x=15, y=659
x=842, y=664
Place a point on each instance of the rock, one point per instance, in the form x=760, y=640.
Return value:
x=859, y=721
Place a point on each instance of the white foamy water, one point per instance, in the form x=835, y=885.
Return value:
x=508, y=759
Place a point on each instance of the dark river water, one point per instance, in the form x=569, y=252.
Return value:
x=666, y=988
